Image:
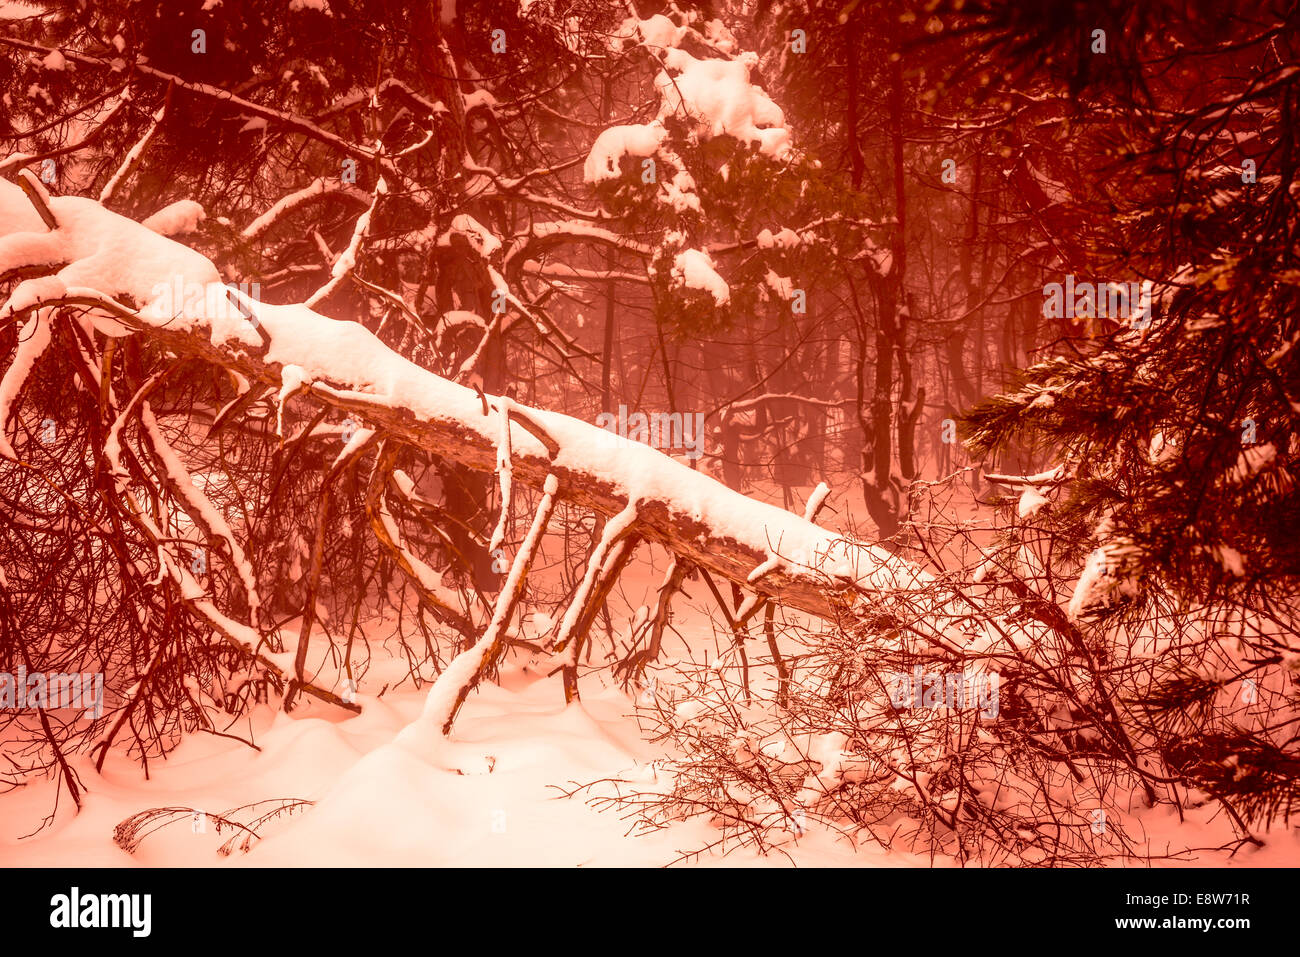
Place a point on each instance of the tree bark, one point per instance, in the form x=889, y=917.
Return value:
x=696, y=518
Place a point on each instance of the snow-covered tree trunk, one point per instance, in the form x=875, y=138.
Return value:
x=120, y=275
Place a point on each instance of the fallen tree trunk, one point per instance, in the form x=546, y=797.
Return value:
x=123, y=275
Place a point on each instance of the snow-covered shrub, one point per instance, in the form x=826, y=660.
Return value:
x=1038, y=741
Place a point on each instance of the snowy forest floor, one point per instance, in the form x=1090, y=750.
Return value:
x=388, y=792
x=490, y=798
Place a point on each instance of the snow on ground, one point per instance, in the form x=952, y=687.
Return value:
x=389, y=792
x=484, y=798
x=487, y=797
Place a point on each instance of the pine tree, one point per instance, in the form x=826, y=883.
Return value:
x=1177, y=427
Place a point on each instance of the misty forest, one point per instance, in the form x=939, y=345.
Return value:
x=549, y=432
